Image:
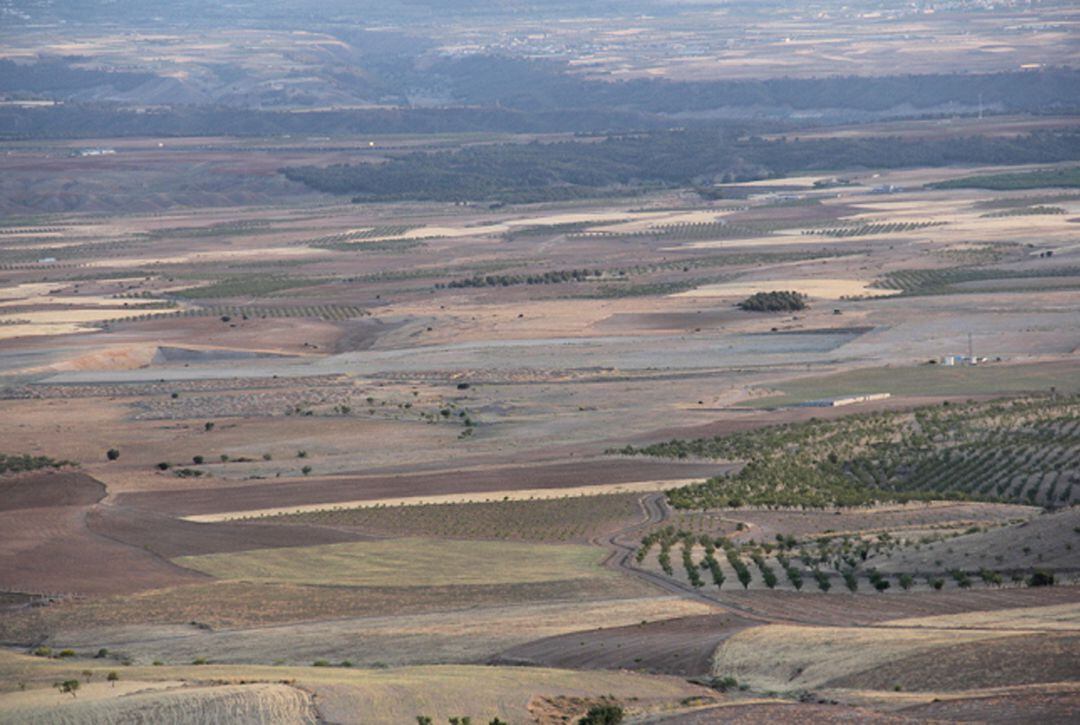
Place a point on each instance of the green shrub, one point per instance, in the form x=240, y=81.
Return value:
x=603, y=715
x=1041, y=578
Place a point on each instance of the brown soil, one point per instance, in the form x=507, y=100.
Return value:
x=49, y=489
x=840, y=609
x=681, y=647
x=776, y=712
x=51, y=550
x=331, y=490
x=1025, y=707
x=170, y=538
x=253, y=605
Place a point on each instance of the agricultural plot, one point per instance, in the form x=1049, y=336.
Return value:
x=249, y=286
x=299, y=694
x=788, y=658
x=929, y=381
x=257, y=604
x=1024, y=451
x=764, y=524
x=684, y=232
x=576, y=518
x=863, y=230
x=908, y=558
x=825, y=564
x=243, y=312
x=405, y=562
x=1037, y=210
x=333, y=241
x=949, y=281
x=1046, y=178
x=1046, y=542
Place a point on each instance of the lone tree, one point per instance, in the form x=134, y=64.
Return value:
x=1041, y=578
x=68, y=687
x=113, y=678
x=112, y=454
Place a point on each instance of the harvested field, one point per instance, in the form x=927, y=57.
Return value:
x=1057, y=617
x=360, y=696
x=333, y=490
x=397, y=562
x=472, y=634
x=515, y=694
x=683, y=647
x=1034, y=658
x=261, y=702
x=265, y=604
x=786, y=657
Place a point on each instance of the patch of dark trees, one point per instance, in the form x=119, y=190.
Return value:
x=779, y=301
x=107, y=120
x=510, y=280
x=627, y=163
x=58, y=76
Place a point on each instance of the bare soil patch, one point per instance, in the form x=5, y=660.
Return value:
x=1029, y=706
x=842, y=609
x=51, y=550
x=49, y=489
x=169, y=537
x=755, y=713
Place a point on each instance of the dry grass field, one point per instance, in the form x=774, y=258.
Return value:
x=309, y=694
x=398, y=562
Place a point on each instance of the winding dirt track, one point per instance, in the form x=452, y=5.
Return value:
x=623, y=548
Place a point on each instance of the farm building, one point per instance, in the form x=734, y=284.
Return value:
x=849, y=400
x=960, y=360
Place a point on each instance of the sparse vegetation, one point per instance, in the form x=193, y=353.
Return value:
x=18, y=463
